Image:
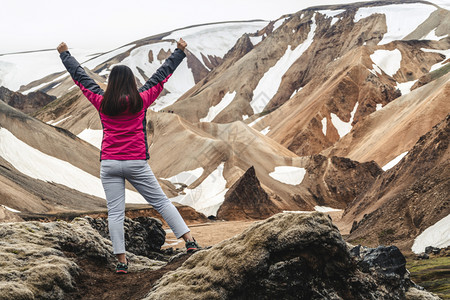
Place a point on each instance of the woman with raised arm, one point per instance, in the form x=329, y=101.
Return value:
x=124, y=152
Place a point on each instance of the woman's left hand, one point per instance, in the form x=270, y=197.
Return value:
x=62, y=47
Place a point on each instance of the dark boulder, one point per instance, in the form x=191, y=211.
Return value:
x=143, y=235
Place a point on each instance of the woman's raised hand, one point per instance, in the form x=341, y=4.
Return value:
x=181, y=44
x=62, y=47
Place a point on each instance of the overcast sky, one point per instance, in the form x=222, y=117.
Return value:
x=107, y=24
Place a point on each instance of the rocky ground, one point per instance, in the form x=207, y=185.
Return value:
x=288, y=256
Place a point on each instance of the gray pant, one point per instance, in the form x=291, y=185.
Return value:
x=113, y=174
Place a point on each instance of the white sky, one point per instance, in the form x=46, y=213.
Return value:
x=107, y=24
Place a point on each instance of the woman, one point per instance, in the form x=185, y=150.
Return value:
x=124, y=152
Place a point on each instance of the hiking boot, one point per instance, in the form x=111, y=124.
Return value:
x=122, y=268
x=192, y=246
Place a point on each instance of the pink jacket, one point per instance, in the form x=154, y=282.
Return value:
x=125, y=135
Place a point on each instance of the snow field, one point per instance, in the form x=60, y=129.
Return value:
x=39, y=165
x=208, y=196
x=289, y=175
x=343, y=127
x=401, y=19
x=393, y=162
x=20, y=69
x=388, y=61
x=437, y=235
x=268, y=85
x=215, y=110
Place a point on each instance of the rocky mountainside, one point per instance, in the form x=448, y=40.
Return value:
x=409, y=198
x=26, y=103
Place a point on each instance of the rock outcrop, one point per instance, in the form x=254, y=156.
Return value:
x=289, y=256
x=39, y=260
x=27, y=103
x=246, y=199
x=336, y=181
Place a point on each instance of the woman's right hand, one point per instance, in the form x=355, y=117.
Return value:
x=181, y=44
x=62, y=47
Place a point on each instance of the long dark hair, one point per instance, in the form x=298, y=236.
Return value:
x=121, y=94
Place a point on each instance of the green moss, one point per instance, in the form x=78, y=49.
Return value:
x=440, y=72
x=433, y=274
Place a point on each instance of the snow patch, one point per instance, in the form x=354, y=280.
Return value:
x=405, y=87
x=379, y=106
x=208, y=196
x=393, y=162
x=217, y=109
x=324, y=126
x=57, y=122
x=39, y=165
x=268, y=85
x=343, y=127
x=388, y=61
x=256, y=121
x=437, y=235
x=289, y=175
x=432, y=36
x=279, y=23
x=401, y=19
x=11, y=209
x=92, y=136
x=265, y=131
x=44, y=84
x=256, y=39
x=442, y=63
x=332, y=14
x=325, y=209
x=186, y=177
